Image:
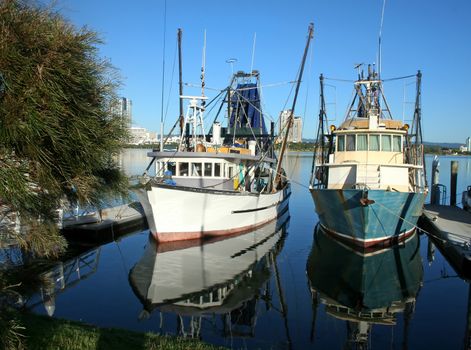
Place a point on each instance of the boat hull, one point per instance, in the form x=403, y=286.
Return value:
x=384, y=219
x=181, y=213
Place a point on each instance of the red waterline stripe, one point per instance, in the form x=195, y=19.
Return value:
x=370, y=245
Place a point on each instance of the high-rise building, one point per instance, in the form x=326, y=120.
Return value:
x=468, y=144
x=296, y=131
x=123, y=108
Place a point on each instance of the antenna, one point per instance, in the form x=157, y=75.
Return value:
x=203, y=66
x=358, y=66
x=231, y=61
x=379, y=40
x=163, y=82
x=253, y=51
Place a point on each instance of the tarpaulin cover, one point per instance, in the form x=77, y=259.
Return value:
x=245, y=106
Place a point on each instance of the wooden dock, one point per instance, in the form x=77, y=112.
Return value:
x=107, y=225
x=450, y=229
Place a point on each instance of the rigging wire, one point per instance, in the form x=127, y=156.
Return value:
x=340, y=80
x=242, y=89
x=171, y=83
x=383, y=80
x=250, y=103
x=400, y=78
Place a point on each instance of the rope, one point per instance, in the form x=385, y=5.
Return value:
x=465, y=238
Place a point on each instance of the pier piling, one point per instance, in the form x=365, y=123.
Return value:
x=453, y=182
x=435, y=194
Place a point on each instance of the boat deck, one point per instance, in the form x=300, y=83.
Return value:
x=450, y=228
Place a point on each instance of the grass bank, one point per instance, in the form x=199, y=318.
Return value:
x=48, y=333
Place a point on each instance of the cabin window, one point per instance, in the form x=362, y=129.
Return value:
x=386, y=143
x=397, y=143
x=374, y=143
x=362, y=142
x=340, y=143
x=229, y=172
x=183, y=169
x=196, y=169
x=172, y=166
x=217, y=169
x=350, y=142
x=208, y=169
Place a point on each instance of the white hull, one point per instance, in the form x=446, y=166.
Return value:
x=178, y=213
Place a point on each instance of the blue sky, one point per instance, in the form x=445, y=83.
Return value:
x=432, y=36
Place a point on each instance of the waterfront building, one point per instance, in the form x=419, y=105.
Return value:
x=468, y=144
x=296, y=132
x=141, y=136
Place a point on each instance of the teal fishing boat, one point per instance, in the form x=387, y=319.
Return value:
x=368, y=180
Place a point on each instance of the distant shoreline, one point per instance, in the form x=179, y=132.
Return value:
x=303, y=150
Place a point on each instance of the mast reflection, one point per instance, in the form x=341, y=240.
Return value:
x=364, y=289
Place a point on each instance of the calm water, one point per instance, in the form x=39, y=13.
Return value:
x=279, y=287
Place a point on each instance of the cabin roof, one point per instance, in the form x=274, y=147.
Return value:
x=362, y=123
x=210, y=155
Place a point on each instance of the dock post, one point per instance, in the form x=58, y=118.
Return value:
x=435, y=194
x=453, y=181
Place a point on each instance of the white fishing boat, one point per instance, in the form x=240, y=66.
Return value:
x=224, y=182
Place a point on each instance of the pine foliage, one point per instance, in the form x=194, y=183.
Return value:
x=57, y=133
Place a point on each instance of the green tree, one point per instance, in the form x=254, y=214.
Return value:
x=58, y=135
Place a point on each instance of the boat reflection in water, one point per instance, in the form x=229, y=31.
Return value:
x=221, y=280
x=364, y=289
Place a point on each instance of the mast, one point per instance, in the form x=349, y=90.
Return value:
x=180, y=79
x=290, y=118
x=320, y=141
x=418, y=157
x=203, y=67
